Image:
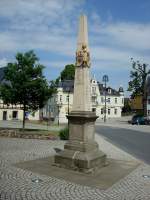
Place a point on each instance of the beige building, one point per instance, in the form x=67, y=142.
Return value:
x=15, y=112
x=60, y=104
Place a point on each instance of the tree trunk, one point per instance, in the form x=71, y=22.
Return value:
x=145, y=105
x=23, y=122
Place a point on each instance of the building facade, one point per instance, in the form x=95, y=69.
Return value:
x=15, y=112
x=148, y=96
x=60, y=104
x=136, y=103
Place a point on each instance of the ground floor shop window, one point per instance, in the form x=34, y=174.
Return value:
x=14, y=114
x=93, y=109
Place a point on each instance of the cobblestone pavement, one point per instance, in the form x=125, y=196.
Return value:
x=16, y=184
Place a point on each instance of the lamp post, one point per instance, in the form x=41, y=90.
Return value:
x=59, y=106
x=68, y=97
x=105, y=80
x=58, y=113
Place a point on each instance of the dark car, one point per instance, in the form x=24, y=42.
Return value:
x=138, y=119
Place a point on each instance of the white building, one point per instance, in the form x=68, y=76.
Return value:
x=14, y=112
x=61, y=103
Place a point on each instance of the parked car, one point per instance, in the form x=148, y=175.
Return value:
x=140, y=120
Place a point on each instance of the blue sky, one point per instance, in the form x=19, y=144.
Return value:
x=118, y=30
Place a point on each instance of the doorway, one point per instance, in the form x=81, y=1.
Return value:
x=4, y=115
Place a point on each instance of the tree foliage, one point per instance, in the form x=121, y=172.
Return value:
x=138, y=80
x=68, y=73
x=127, y=106
x=25, y=84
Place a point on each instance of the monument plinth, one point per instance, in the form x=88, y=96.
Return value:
x=81, y=152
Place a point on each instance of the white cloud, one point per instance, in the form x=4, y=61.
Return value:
x=51, y=25
x=3, y=62
x=55, y=64
x=28, y=8
x=42, y=24
x=123, y=34
x=131, y=35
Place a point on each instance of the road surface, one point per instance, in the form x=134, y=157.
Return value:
x=137, y=143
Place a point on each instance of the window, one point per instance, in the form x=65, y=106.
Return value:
x=108, y=111
x=67, y=98
x=115, y=100
x=93, y=109
x=94, y=100
x=148, y=101
x=102, y=111
x=108, y=100
x=60, y=98
x=93, y=89
x=109, y=91
x=102, y=99
x=14, y=114
x=115, y=111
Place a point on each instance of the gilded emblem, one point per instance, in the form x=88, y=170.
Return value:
x=83, y=57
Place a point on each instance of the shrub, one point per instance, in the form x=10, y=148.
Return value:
x=64, y=134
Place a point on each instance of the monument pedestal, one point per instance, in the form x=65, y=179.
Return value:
x=81, y=152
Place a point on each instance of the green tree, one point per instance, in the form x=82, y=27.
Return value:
x=25, y=84
x=138, y=81
x=127, y=106
x=68, y=73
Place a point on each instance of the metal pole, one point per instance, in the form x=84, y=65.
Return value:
x=68, y=103
x=68, y=107
x=58, y=115
x=105, y=104
x=105, y=80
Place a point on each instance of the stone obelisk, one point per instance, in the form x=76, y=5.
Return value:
x=81, y=152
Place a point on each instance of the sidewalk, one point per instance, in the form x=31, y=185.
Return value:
x=19, y=184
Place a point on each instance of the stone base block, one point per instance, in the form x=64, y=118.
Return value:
x=81, y=161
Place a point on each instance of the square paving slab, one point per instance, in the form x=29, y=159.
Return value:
x=102, y=179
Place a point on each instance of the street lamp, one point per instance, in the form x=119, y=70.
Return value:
x=59, y=106
x=68, y=99
x=105, y=80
